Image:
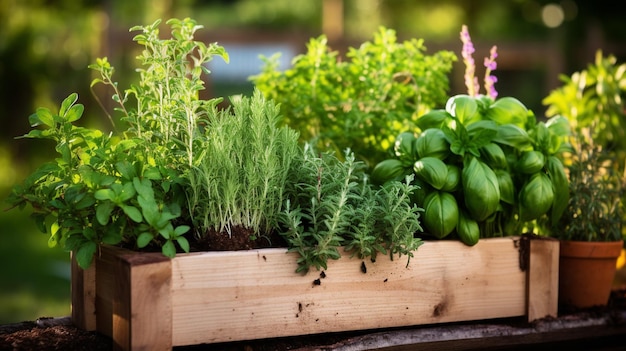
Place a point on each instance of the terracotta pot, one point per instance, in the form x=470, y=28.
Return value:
x=586, y=272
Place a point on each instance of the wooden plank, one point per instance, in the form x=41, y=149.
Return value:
x=543, y=278
x=106, y=280
x=142, y=309
x=227, y=296
x=83, y=290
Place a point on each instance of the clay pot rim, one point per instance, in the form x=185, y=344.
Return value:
x=591, y=249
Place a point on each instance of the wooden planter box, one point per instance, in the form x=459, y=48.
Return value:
x=146, y=301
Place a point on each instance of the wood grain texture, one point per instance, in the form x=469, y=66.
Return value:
x=226, y=296
x=146, y=301
x=133, y=299
x=543, y=279
x=83, y=293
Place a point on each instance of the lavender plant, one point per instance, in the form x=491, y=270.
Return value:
x=471, y=81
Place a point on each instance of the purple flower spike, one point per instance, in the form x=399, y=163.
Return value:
x=490, y=80
x=471, y=82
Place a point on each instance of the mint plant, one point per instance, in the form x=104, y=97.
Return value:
x=126, y=188
x=99, y=190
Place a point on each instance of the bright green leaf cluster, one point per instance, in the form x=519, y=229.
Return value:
x=361, y=101
x=592, y=100
x=246, y=160
x=126, y=188
x=487, y=168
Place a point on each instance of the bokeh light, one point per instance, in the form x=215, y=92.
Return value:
x=552, y=15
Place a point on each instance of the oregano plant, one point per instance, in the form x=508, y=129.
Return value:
x=377, y=90
x=126, y=188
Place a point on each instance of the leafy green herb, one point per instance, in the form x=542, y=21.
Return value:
x=240, y=179
x=125, y=188
x=595, y=210
x=594, y=98
x=506, y=182
x=496, y=149
x=360, y=102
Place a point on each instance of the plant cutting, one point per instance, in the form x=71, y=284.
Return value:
x=485, y=165
x=591, y=229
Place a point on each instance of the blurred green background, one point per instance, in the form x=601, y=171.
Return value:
x=45, y=47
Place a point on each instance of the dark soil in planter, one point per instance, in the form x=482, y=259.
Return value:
x=239, y=238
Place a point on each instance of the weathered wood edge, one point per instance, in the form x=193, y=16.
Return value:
x=83, y=295
x=543, y=278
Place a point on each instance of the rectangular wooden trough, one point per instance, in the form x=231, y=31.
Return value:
x=147, y=301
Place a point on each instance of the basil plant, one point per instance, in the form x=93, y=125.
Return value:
x=485, y=167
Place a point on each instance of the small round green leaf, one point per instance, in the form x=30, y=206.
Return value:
x=144, y=239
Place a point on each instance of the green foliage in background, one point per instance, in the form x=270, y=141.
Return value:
x=594, y=97
x=593, y=101
x=378, y=91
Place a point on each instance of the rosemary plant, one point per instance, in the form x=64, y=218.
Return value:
x=331, y=203
x=240, y=179
x=596, y=186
